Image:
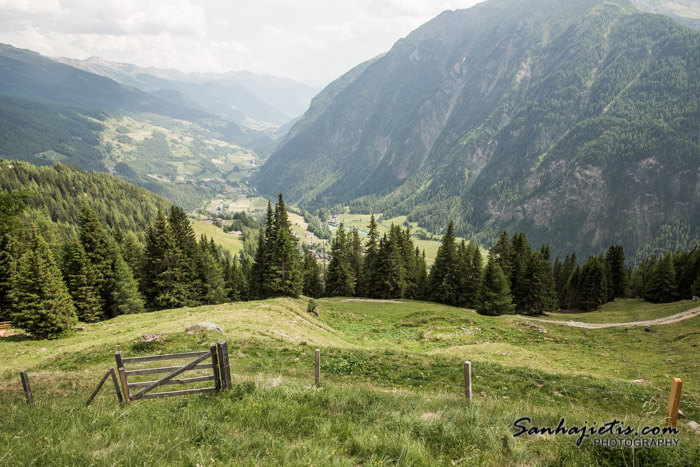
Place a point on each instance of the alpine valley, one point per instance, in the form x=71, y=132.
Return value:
x=576, y=122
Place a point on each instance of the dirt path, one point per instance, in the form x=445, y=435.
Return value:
x=666, y=320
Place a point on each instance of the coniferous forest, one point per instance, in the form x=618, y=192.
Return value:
x=50, y=277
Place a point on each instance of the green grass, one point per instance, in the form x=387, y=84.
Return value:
x=391, y=393
x=232, y=243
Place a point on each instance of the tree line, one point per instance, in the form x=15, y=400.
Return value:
x=95, y=275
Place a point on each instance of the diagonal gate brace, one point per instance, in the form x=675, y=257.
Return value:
x=170, y=376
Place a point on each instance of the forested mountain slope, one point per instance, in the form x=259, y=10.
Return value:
x=59, y=192
x=576, y=122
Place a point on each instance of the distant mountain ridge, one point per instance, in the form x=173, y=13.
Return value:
x=258, y=101
x=576, y=122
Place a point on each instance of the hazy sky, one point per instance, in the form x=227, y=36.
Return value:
x=308, y=40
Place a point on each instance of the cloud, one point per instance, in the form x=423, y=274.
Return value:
x=304, y=39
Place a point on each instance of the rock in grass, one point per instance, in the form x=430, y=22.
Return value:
x=204, y=326
x=151, y=337
x=694, y=426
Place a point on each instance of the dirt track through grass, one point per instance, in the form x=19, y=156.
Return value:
x=666, y=320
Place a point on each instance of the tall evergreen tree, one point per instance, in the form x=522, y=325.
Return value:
x=615, y=256
x=100, y=254
x=9, y=253
x=593, y=289
x=541, y=296
x=80, y=279
x=126, y=295
x=339, y=280
x=519, y=280
x=368, y=275
x=421, y=276
x=163, y=281
x=444, y=279
x=494, y=294
x=474, y=272
x=313, y=287
x=284, y=273
x=42, y=305
x=661, y=287
x=211, y=274
x=356, y=259
x=391, y=270
x=502, y=251
x=186, y=258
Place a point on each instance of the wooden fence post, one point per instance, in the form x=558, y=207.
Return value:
x=215, y=367
x=224, y=364
x=674, y=401
x=122, y=375
x=317, y=362
x=27, y=388
x=468, y=380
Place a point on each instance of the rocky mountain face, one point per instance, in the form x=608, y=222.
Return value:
x=576, y=122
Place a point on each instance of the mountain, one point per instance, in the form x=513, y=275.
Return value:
x=685, y=11
x=258, y=101
x=576, y=122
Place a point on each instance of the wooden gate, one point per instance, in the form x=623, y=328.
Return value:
x=218, y=364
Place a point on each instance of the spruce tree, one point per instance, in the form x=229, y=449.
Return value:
x=474, y=272
x=494, y=294
x=616, y=258
x=211, y=275
x=187, y=258
x=391, y=270
x=313, y=287
x=81, y=282
x=661, y=287
x=284, y=272
x=100, y=256
x=502, y=251
x=356, y=259
x=541, y=296
x=593, y=290
x=339, y=280
x=368, y=275
x=126, y=295
x=444, y=278
x=519, y=262
x=41, y=304
x=573, y=289
x=163, y=284
x=9, y=253
x=421, y=276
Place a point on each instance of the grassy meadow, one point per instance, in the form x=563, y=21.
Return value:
x=391, y=394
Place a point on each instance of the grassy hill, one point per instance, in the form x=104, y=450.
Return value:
x=391, y=390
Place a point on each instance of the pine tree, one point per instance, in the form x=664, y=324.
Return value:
x=472, y=281
x=573, y=289
x=541, y=296
x=661, y=287
x=313, y=287
x=211, y=275
x=494, y=294
x=503, y=253
x=80, y=279
x=339, y=280
x=593, y=291
x=9, y=252
x=126, y=295
x=444, y=279
x=519, y=262
x=391, y=271
x=163, y=281
x=100, y=256
x=368, y=275
x=356, y=259
x=187, y=258
x=284, y=273
x=421, y=276
x=41, y=304
x=618, y=273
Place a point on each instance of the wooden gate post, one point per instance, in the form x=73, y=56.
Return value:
x=122, y=375
x=674, y=402
x=215, y=367
x=224, y=365
x=468, y=380
x=317, y=362
x=116, y=384
x=26, y=387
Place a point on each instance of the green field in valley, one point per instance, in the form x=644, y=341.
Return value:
x=391, y=394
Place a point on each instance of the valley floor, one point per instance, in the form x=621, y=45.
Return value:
x=392, y=390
